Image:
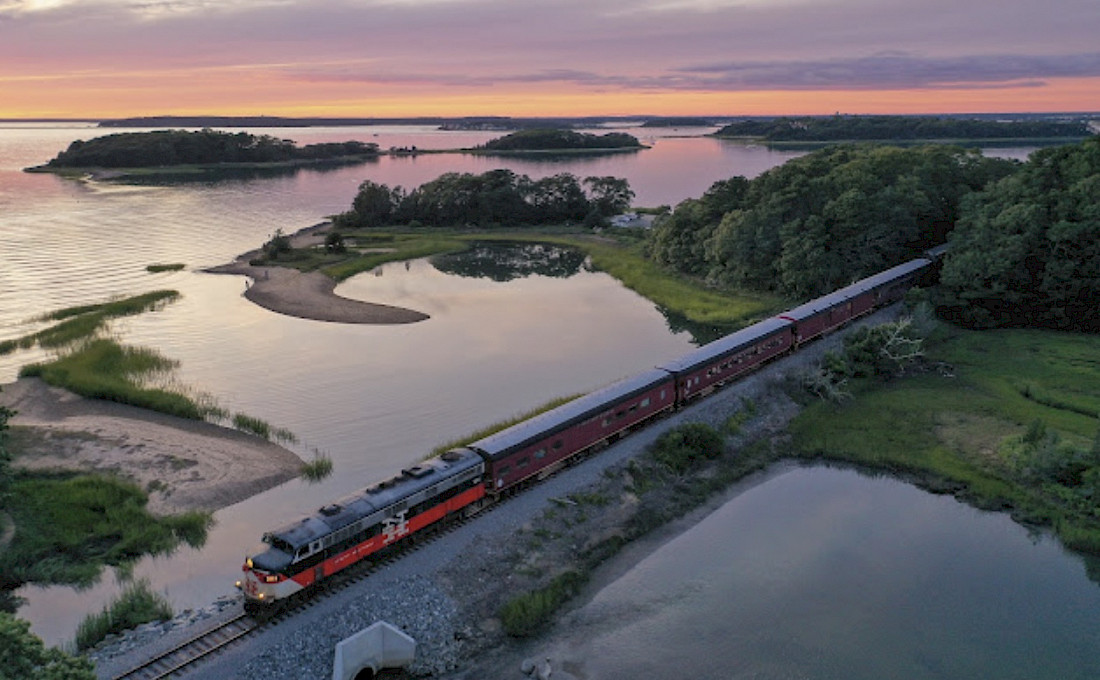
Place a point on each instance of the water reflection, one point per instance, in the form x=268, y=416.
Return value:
x=238, y=174
x=509, y=261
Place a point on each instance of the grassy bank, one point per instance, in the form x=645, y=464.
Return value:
x=85, y=321
x=623, y=260
x=102, y=521
x=1008, y=421
x=104, y=369
x=137, y=604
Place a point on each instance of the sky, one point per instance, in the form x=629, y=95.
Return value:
x=96, y=59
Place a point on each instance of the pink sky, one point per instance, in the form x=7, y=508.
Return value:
x=112, y=58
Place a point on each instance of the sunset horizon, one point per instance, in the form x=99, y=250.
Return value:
x=104, y=59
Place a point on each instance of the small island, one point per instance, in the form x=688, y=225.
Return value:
x=553, y=140
x=145, y=152
x=896, y=129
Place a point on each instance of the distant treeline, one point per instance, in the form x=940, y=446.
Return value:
x=1024, y=237
x=180, y=147
x=494, y=198
x=543, y=139
x=676, y=122
x=899, y=128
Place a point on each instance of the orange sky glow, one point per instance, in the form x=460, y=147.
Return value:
x=94, y=59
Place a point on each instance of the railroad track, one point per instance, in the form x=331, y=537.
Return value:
x=193, y=649
x=181, y=657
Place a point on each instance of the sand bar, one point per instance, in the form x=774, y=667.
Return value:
x=309, y=295
x=188, y=464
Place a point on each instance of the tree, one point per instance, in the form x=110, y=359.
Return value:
x=609, y=195
x=1027, y=250
x=278, y=245
x=23, y=656
x=374, y=205
x=334, y=242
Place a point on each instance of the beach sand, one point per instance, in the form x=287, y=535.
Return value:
x=186, y=464
x=309, y=295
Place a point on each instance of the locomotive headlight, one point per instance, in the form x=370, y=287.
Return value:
x=238, y=585
x=248, y=562
x=260, y=596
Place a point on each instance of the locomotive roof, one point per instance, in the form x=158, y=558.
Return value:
x=377, y=497
x=726, y=345
x=559, y=418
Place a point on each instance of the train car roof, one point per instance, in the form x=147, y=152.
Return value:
x=519, y=435
x=726, y=345
x=377, y=497
x=808, y=309
x=885, y=277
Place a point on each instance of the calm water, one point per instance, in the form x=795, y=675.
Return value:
x=371, y=397
x=823, y=573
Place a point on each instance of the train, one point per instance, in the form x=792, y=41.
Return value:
x=296, y=557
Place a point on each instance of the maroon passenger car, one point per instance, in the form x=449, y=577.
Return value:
x=717, y=362
x=536, y=447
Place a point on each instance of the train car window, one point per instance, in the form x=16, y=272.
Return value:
x=662, y=395
x=606, y=422
x=504, y=469
x=632, y=409
x=558, y=444
x=523, y=463
x=645, y=402
x=541, y=453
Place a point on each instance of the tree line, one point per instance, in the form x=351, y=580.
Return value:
x=493, y=198
x=545, y=139
x=182, y=147
x=896, y=128
x=1024, y=237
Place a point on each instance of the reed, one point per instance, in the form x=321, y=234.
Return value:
x=137, y=604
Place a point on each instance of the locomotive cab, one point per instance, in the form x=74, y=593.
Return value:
x=265, y=579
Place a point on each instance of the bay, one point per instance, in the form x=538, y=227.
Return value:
x=373, y=398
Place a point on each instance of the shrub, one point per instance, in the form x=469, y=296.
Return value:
x=682, y=448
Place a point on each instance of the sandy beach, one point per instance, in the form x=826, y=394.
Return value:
x=309, y=295
x=186, y=464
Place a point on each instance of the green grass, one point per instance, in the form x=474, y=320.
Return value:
x=318, y=468
x=261, y=428
x=104, y=369
x=624, y=261
x=137, y=604
x=156, y=268
x=498, y=426
x=525, y=614
x=954, y=430
x=85, y=321
x=664, y=287
x=69, y=526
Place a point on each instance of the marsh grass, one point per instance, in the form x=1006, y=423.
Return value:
x=501, y=425
x=952, y=428
x=157, y=268
x=85, y=321
x=318, y=468
x=137, y=604
x=103, y=369
x=69, y=526
x=527, y=613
